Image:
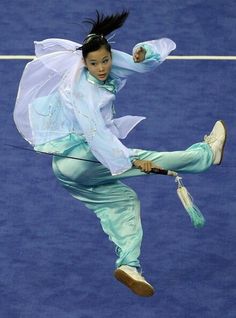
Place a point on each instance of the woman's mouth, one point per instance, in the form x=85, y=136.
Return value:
x=102, y=76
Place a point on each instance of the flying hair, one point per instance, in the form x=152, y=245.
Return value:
x=103, y=25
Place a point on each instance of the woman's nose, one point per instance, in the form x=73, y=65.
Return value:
x=101, y=67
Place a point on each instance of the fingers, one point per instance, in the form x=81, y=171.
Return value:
x=139, y=55
x=136, y=57
x=144, y=165
x=139, y=50
x=147, y=166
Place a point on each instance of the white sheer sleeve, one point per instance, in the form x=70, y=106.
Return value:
x=54, y=45
x=38, y=114
x=157, y=51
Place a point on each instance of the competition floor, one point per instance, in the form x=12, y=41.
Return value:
x=55, y=261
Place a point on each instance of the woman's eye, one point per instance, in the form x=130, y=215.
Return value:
x=105, y=61
x=93, y=63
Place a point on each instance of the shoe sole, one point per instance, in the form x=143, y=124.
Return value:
x=222, y=152
x=138, y=287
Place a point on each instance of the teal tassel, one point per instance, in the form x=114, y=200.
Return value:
x=193, y=211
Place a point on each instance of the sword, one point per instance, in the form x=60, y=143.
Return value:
x=154, y=170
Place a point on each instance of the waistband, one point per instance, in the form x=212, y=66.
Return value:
x=61, y=145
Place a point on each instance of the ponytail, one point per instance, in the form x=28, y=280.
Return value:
x=102, y=26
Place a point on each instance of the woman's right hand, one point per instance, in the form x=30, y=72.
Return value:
x=144, y=165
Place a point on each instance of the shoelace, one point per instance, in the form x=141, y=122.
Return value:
x=210, y=139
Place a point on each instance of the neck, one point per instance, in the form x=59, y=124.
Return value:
x=93, y=79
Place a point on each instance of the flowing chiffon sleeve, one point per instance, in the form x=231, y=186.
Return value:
x=156, y=53
x=53, y=45
x=40, y=112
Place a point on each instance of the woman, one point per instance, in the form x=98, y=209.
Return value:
x=65, y=106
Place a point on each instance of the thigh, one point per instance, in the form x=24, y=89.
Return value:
x=87, y=171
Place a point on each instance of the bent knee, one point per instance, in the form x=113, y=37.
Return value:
x=131, y=195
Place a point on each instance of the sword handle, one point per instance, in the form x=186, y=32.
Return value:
x=164, y=172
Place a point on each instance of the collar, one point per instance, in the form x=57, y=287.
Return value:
x=110, y=84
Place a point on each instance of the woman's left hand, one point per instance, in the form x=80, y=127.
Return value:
x=139, y=55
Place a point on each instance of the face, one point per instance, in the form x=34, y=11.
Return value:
x=99, y=63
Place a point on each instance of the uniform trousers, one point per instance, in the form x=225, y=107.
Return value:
x=114, y=203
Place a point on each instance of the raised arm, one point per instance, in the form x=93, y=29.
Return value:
x=146, y=57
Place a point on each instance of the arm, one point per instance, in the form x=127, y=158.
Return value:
x=156, y=49
x=148, y=55
x=156, y=52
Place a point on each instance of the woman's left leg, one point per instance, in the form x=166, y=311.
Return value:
x=118, y=208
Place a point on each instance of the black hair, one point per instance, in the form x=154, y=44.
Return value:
x=102, y=26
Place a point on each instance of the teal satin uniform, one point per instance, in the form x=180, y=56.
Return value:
x=115, y=204
x=62, y=109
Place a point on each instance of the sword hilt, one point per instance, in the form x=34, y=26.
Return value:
x=164, y=172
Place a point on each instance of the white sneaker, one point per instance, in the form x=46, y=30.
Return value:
x=216, y=141
x=130, y=277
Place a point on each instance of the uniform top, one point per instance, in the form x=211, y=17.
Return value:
x=58, y=97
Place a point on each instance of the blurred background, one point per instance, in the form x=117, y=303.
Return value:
x=55, y=260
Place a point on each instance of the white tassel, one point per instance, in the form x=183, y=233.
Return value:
x=195, y=214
